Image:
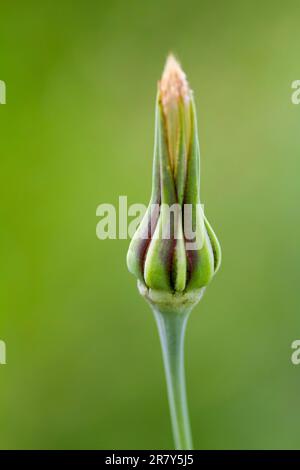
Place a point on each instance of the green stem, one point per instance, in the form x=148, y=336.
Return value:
x=171, y=327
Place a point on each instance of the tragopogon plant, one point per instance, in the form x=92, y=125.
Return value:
x=174, y=252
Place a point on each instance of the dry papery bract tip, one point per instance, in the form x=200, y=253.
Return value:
x=173, y=85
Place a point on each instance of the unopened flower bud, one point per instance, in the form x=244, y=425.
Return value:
x=174, y=250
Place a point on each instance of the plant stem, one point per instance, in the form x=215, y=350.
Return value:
x=171, y=327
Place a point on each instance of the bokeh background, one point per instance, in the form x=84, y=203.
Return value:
x=84, y=365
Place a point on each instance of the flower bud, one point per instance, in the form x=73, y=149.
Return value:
x=174, y=249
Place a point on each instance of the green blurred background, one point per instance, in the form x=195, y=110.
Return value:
x=84, y=364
